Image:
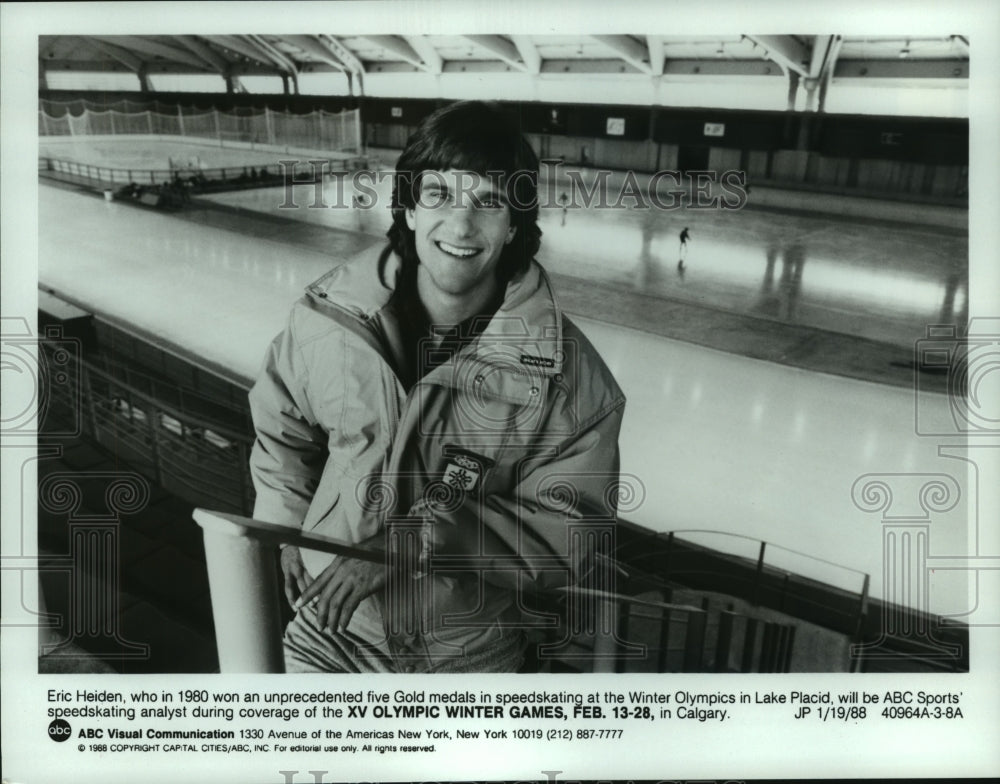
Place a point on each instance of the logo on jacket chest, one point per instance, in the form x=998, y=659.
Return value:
x=464, y=469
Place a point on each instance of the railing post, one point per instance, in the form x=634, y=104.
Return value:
x=768, y=648
x=749, y=644
x=153, y=425
x=862, y=607
x=759, y=574
x=786, y=664
x=246, y=484
x=664, y=640
x=724, y=641
x=242, y=576
x=694, y=641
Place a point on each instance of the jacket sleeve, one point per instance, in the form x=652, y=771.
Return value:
x=526, y=532
x=290, y=449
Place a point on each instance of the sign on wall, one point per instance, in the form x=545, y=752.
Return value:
x=616, y=126
x=715, y=129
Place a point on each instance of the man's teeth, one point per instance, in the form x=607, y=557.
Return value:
x=454, y=250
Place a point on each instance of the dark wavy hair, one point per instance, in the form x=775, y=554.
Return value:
x=474, y=136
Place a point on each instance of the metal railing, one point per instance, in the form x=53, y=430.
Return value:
x=765, y=578
x=107, y=175
x=184, y=450
x=591, y=631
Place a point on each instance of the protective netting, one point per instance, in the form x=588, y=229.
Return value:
x=317, y=130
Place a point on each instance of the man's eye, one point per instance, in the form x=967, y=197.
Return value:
x=491, y=204
x=433, y=198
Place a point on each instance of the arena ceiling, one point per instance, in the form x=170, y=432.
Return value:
x=810, y=60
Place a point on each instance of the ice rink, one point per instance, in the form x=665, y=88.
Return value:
x=873, y=279
x=714, y=441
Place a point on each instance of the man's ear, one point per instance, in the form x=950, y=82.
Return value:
x=410, y=222
x=510, y=235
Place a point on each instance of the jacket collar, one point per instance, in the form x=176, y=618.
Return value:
x=525, y=331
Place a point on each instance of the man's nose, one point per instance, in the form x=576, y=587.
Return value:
x=461, y=220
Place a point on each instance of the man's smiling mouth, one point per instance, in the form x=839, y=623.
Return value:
x=455, y=250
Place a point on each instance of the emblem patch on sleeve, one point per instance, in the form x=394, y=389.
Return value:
x=464, y=469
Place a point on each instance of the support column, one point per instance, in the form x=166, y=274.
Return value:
x=242, y=576
x=793, y=89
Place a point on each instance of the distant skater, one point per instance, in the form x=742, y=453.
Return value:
x=685, y=236
x=564, y=202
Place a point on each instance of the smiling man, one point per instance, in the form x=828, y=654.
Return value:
x=437, y=383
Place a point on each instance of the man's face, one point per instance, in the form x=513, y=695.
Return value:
x=461, y=223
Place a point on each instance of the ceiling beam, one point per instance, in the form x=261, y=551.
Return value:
x=315, y=48
x=353, y=68
x=604, y=65
x=399, y=47
x=785, y=51
x=431, y=57
x=701, y=69
x=954, y=70
x=529, y=53
x=126, y=57
x=279, y=58
x=829, y=64
x=628, y=49
x=342, y=53
x=820, y=53
x=238, y=45
x=657, y=53
x=500, y=48
x=813, y=82
x=212, y=58
x=159, y=67
x=285, y=65
x=152, y=48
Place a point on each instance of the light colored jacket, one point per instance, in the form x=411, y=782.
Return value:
x=496, y=449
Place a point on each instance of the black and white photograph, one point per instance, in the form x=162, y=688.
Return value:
x=592, y=390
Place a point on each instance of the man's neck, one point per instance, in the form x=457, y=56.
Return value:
x=444, y=309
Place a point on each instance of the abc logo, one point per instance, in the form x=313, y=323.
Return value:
x=59, y=730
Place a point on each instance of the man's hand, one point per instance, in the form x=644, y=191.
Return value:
x=340, y=588
x=296, y=577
